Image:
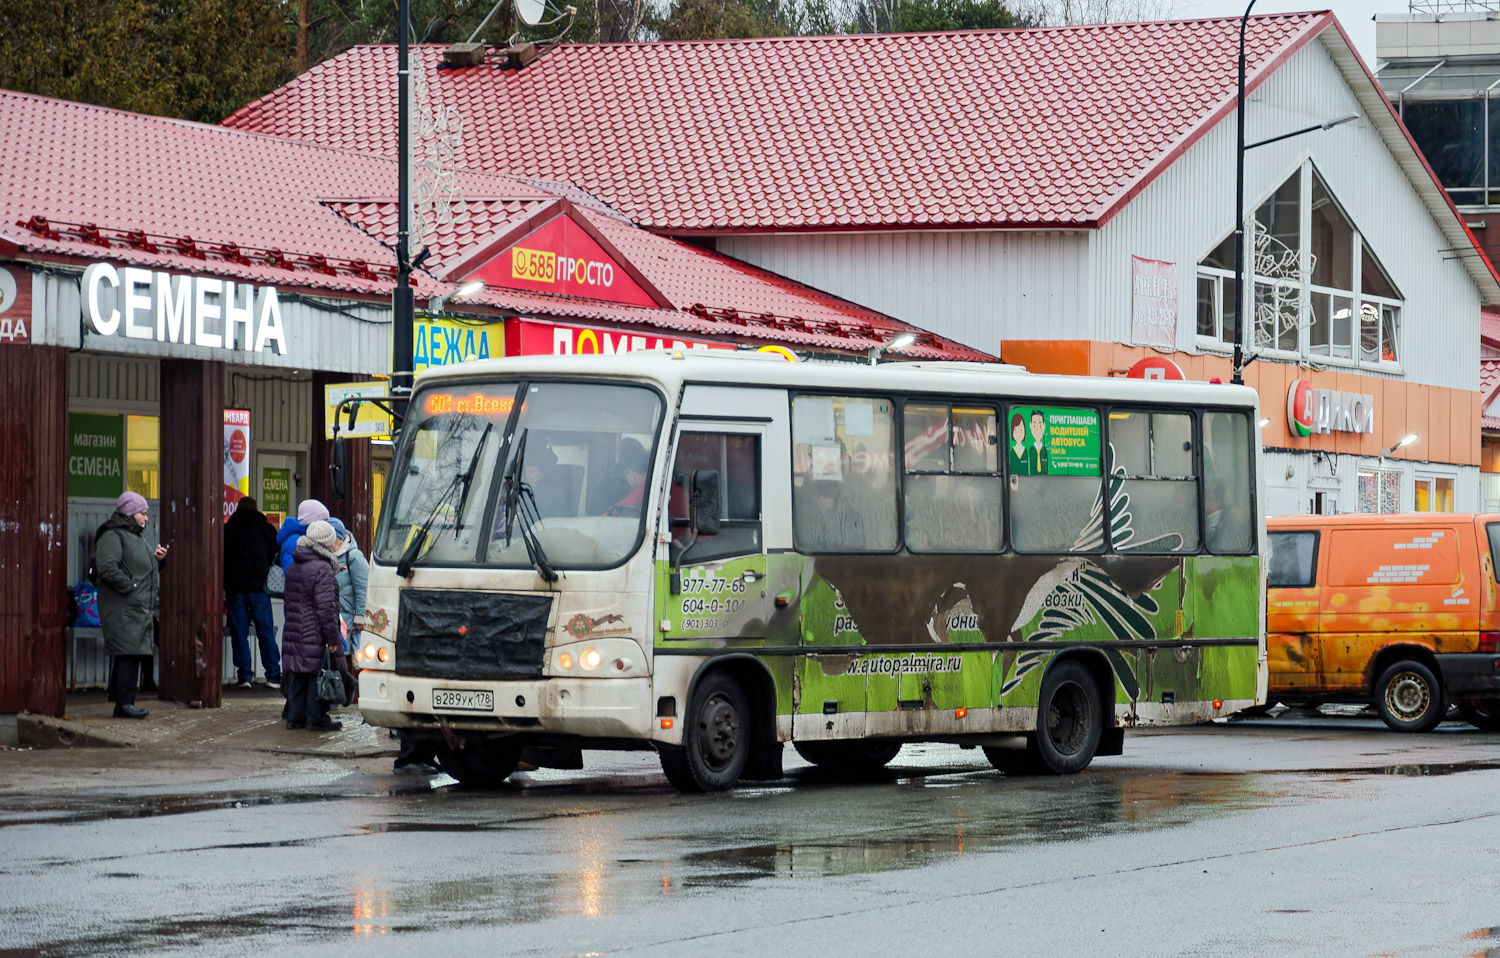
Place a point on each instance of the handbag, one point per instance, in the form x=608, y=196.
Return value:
x=276, y=581
x=330, y=682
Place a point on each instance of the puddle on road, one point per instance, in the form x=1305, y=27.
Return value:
x=1434, y=769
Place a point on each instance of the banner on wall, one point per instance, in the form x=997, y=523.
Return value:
x=236, y=458
x=1153, y=303
x=443, y=342
x=96, y=455
x=275, y=494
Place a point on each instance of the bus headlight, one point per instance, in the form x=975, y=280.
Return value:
x=590, y=659
x=565, y=661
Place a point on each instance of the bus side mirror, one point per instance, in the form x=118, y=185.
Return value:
x=337, y=467
x=704, y=502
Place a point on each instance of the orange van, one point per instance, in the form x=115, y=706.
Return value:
x=1395, y=609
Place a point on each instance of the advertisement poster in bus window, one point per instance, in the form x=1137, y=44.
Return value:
x=1053, y=441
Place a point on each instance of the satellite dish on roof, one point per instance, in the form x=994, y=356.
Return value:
x=531, y=12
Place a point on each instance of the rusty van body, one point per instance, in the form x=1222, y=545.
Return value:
x=1399, y=610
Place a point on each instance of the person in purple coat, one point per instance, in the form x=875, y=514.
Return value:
x=312, y=626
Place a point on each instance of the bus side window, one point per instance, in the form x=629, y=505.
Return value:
x=1159, y=509
x=1294, y=560
x=1226, y=483
x=953, y=486
x=1053, y=457
x=737, y=460
x=844, y=474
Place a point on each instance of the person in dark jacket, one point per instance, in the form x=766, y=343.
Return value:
x=249, y=550
x=292, y=527
x=312, y=626
x=128, y=571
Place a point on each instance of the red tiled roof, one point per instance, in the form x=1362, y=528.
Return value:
x=85, y=181
x=1052, y=126
x=715, y=295
x=1489, y=327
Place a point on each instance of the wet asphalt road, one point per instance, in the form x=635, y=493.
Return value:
x=1273, y=838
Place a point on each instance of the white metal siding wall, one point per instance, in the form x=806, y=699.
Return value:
x=1188, y=209
x=354, y=341
x=977, y=287
x=1289, y=479
x=112, y=379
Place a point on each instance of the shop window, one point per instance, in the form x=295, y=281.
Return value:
x=1433, y=494
x=736, y=458
x=1156, y=508
x=1308, y=268
x=1294, y=560
x=844, y=475
x=143, y=455
x=1227, y=509
x=1379, y=491
x=1053, y=458
x=953, y=486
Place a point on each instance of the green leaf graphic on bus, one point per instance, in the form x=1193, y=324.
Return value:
x=1082, y=594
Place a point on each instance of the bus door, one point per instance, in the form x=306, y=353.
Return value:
x=720, y=591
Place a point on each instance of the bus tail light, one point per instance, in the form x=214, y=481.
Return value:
x=960, y=713
x=565, y=661
x=666, y=723
x=369, y=652
x=590, y=659
x=1218, y=704
x=1489, y=641
x=383, y=655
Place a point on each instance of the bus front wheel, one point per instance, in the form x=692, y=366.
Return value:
x=715, y=738
x=1069, y=723
x=481, y=763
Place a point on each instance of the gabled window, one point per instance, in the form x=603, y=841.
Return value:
x=1316, y=291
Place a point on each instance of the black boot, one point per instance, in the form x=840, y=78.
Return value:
x=130, y=712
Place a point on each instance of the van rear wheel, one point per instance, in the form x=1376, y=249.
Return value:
x=1481, y=713
x=849, y=757
x=1409, y=697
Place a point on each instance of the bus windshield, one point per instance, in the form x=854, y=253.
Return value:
x=584, y=473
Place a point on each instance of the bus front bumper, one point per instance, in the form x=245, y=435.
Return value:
x=605, y=708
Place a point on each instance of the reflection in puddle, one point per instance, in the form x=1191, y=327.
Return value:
x=1415, y=771
x=982, y=818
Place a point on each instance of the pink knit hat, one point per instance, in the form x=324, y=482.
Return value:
x=131, y=504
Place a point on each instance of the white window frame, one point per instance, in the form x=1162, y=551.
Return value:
x=1224, y=286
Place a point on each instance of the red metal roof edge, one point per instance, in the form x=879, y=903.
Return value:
x=581, y=217
x=1207, y=122
x=483, y=252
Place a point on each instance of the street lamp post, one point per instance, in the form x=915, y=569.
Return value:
x=402, y=308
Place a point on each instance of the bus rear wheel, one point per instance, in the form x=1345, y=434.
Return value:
x=715, y=738
x=481, y=762
x=849, y=757
x=1069, y=720
x=1409, y=697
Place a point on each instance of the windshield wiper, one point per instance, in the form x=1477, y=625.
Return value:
x=464, y=479
x=515, y=508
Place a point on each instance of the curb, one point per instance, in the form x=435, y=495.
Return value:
x=49, y=732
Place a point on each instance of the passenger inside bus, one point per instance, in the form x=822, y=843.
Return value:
x=632, y=465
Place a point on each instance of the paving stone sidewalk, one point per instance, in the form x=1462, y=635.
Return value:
x=248, y=720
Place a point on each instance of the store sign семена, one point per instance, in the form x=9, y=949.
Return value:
x=187, y=310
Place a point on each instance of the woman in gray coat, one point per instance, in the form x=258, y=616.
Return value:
x=128, y=581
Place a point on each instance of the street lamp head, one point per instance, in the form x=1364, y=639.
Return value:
x=468, y=289
x=1339, y=120
x=902, y=341
x=1405, y=440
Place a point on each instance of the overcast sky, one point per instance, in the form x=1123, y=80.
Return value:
x=1353, y=14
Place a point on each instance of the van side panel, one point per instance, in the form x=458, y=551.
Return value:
x=1417, y=584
